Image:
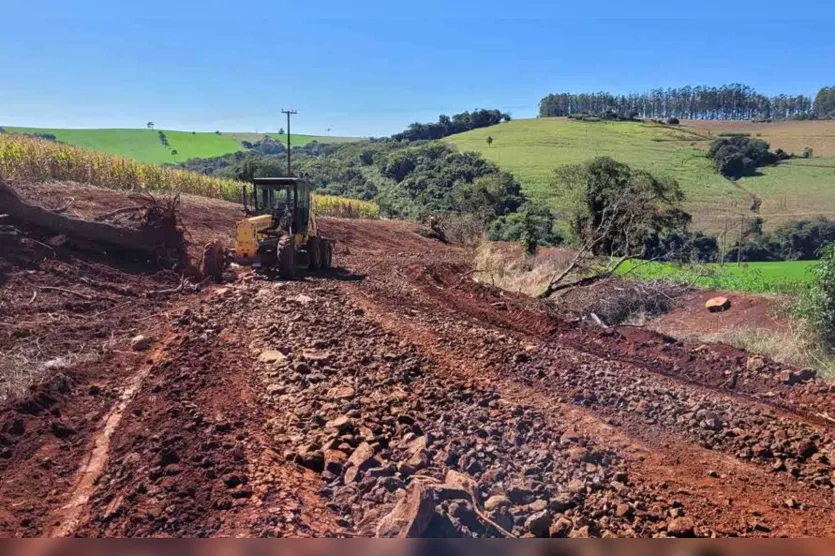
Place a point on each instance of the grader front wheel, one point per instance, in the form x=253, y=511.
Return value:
x=327, y=253
x=286, y=255
x=315, y=251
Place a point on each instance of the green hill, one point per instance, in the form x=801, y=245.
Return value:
x=531, y=149
x=144, y=145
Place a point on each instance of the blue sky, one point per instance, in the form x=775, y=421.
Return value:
x=371, y=68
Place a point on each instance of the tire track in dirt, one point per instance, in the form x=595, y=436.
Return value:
x=66, y=518
x=183, y=458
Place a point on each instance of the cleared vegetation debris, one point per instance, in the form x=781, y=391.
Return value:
x=156, y=232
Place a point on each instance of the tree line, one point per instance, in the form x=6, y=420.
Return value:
x=825, y=103
x=447, y=125
x=727, y=102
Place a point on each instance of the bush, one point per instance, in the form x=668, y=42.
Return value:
x=532, y=226
x=738, y=155
x=807, y=152
x=673, y=121
x=819, y=303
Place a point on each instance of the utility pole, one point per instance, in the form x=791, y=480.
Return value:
x=289, y=113
x=739, y=250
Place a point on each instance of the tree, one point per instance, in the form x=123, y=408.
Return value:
x=281, y=131
x=614, y=211
x=825, y=103
x=150, y=125
x=489, y=140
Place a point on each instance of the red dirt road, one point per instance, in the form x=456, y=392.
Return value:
x=307, y=408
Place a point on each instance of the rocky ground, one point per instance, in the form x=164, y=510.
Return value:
x=395, y=396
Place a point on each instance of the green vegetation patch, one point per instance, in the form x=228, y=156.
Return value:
x=777, y=277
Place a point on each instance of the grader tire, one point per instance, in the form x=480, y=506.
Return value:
x=315, y=252
x=286, y=255
x=327, y=253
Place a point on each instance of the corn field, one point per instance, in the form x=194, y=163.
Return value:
x=31, y=159
x=340, y=207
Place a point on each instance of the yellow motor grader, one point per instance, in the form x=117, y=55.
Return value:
x=280, y=232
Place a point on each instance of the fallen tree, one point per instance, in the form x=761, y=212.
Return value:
x=158, y=235
x=615, y=210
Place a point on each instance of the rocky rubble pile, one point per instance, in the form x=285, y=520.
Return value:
x=627, y=393
x=401, y=447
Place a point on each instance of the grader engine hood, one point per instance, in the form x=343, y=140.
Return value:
x=247, y=235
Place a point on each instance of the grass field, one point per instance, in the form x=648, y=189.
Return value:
x=144, y=144
x=777, y=277
x=795, y=189
x=531, y=149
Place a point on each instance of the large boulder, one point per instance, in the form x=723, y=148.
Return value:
x=410, y=516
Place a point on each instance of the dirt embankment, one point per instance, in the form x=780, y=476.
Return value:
x=317, y=407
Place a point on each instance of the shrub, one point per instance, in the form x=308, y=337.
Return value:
x=532, y=226
x=818, y=305
x=673, y=121
x=737, y=155
x=807, y=152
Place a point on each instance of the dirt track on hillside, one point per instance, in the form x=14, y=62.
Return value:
x=306, y=408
